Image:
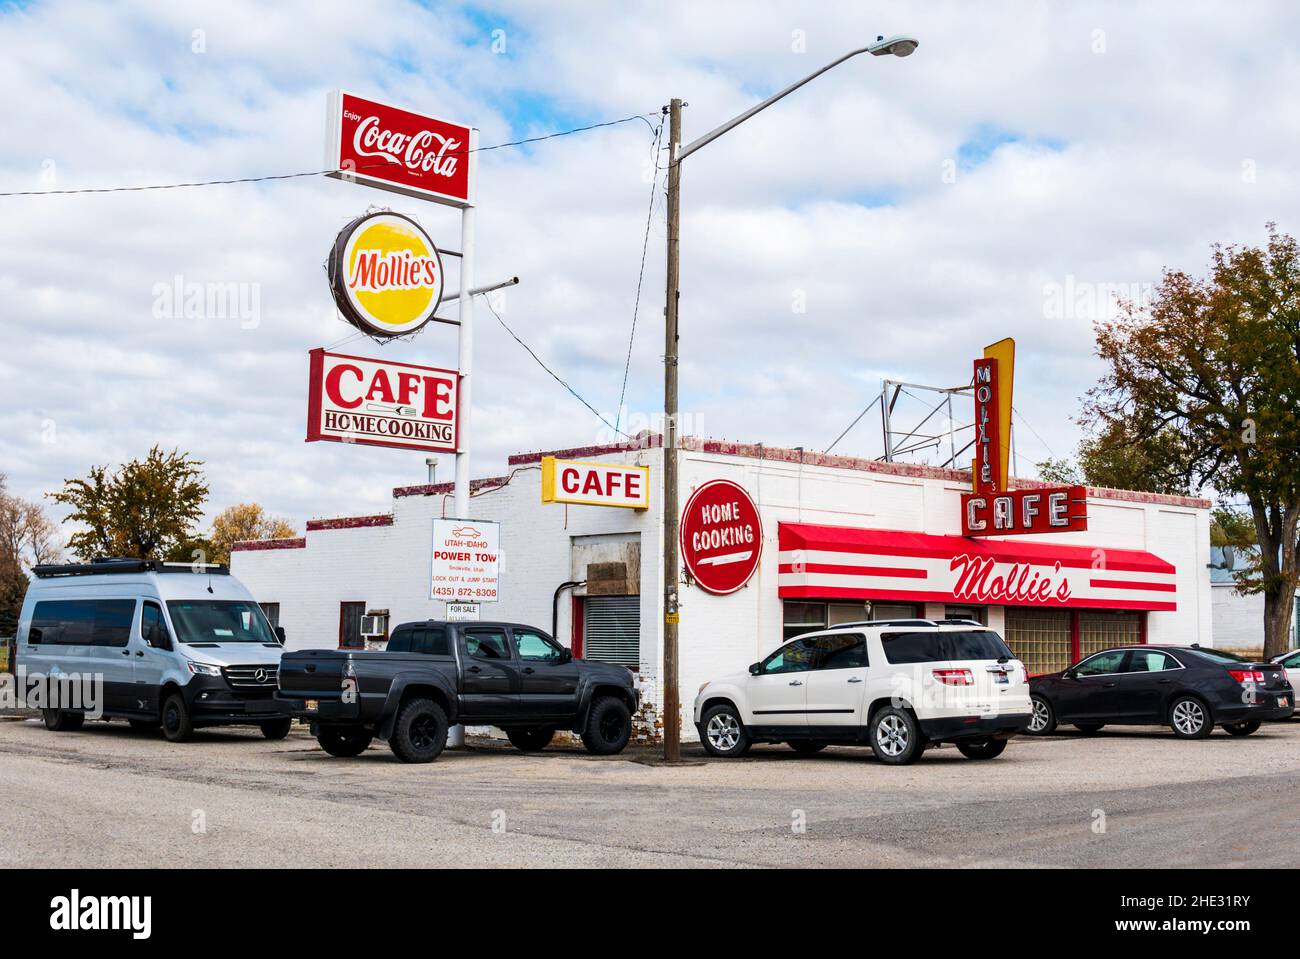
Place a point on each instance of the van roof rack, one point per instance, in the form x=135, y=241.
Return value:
x=102, y=565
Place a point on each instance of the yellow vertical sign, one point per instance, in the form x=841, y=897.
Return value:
x=1003, y=355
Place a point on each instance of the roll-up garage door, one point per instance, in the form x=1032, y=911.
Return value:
x=1099, y=630
x=1040, y=638
x=612, y=630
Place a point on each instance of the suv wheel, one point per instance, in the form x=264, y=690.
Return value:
x=724, y=733
x=176, y=723
x=420, y=732
x=1190, y=718
x=982, y=748
x=274, y=729
x=806, y=747
x=530, y=740
x=609, y=727
x=896, y=736
x=1042, y=720
x=1243, y=728
x=61, y=721
x=344, y=741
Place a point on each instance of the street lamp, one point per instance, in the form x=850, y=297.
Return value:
x=898, y=46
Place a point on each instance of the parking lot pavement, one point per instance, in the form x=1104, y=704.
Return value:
x=108, y=796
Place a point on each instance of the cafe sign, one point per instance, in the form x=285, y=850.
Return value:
x=595, y=484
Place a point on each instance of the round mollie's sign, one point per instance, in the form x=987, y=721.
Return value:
x=385, y=274
x=722, y=536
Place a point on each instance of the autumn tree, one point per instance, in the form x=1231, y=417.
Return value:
x=1211, y=368
x=145, y=509
x=27, y=539
x=245, y=521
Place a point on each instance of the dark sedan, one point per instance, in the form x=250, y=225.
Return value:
x=1187, y=688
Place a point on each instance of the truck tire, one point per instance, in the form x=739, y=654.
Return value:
x=609, y=727
x=62, y=721
x=982, y=748
x=532, y=739
x=420, y=732
x=275, y=729
x=343, y=741
x=176, y=725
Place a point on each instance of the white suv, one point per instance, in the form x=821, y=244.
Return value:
x=895, y=685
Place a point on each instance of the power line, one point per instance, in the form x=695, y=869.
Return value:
x=307, y=173
x=645, y=245
x=552, y=373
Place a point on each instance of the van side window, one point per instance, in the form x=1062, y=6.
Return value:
x=63, y=622
x=150, y=617
x=112, y=622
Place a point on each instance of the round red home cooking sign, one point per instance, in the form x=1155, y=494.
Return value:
x=722, y=536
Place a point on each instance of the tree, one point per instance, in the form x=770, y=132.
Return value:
x=27, y=539
x=146, y=509
x=1214, y=364
x=1061, y=472
x=1122, y=457
x=245, y=521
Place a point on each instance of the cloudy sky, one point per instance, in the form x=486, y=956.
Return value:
x=1029, y=163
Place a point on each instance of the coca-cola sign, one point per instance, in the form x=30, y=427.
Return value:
x=394, y=149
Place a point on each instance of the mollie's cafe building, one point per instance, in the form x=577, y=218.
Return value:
x=775, y=543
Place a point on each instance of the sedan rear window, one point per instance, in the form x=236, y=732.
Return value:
x=930, y=647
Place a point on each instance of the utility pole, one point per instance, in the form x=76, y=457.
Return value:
x=672, y=710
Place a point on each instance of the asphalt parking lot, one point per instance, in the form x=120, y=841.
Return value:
x=111, y=797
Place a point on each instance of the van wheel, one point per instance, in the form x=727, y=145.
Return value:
x=176, y=725
x=982, y=748
x=420, y=732
x=1042, y=721
x=896, y=736
x=61, y=721
x=1190, y=718
x=531, y=740
x=1241, y=729
x=724, y=733
x=806, y=747
x=275, y=729
x=343, y=741
x=144, y=725
x=609, y=727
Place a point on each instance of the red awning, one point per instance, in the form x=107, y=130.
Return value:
x=832, y=562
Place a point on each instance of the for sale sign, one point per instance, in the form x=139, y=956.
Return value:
x=355, y=399
x=595, y=484
x=392, y=149
x=721, y=536
x=466, y=561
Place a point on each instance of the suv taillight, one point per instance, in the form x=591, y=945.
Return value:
x=954, y=677
x=1247, y=676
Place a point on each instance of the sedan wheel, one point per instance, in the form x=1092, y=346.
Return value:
x=1041, y=721
x=1190, y=718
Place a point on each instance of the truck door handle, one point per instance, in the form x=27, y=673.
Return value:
x=139, y=652
x=796, y=682
x=473, y=669
x=1165, y=682
x=1108, y=685
x=126, y=652
x=528, y=669
x=855, y=679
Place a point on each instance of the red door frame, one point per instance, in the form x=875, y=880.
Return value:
x=578, y=623
x=342, y=615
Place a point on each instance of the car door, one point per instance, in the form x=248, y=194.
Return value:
x=834, y=687
x=1088, y=691
x=152, y=647
x=548, y=679
x=490, y=688
x=109, y=654
x=777, y=695
x=1144, y=685
x=1291, y=663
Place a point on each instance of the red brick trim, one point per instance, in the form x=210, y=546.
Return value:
x=349, y=522
x=643, y=442
x=447, y=488
x=249, y=545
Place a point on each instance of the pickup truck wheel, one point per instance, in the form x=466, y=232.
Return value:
x=176, y=725
x=531, y=740
x=274, y=729
x=724, y=733
x=896, y=736
x=61, y=721
x=344, y=742
x=982, y=748
x=609, y=726
x=420, y=732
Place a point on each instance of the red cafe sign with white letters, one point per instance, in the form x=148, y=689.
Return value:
x=1051, y=510
x=393, y=149
x=356, y=399
x=721, y=536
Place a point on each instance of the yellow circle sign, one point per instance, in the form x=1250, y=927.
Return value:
x=386, y=274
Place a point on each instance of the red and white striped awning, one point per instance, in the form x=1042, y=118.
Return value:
x=840, y=562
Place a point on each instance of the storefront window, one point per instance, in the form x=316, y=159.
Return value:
x=1040, y=638
x=978, y=614
x=1102, y=630
x=802, y=616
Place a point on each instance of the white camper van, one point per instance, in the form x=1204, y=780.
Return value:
x=176, y=646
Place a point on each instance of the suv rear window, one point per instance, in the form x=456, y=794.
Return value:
x=930, y=647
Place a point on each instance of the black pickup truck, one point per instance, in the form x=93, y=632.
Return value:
x=434, y=674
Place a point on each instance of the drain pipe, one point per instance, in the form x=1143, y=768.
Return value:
x=555, y=604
